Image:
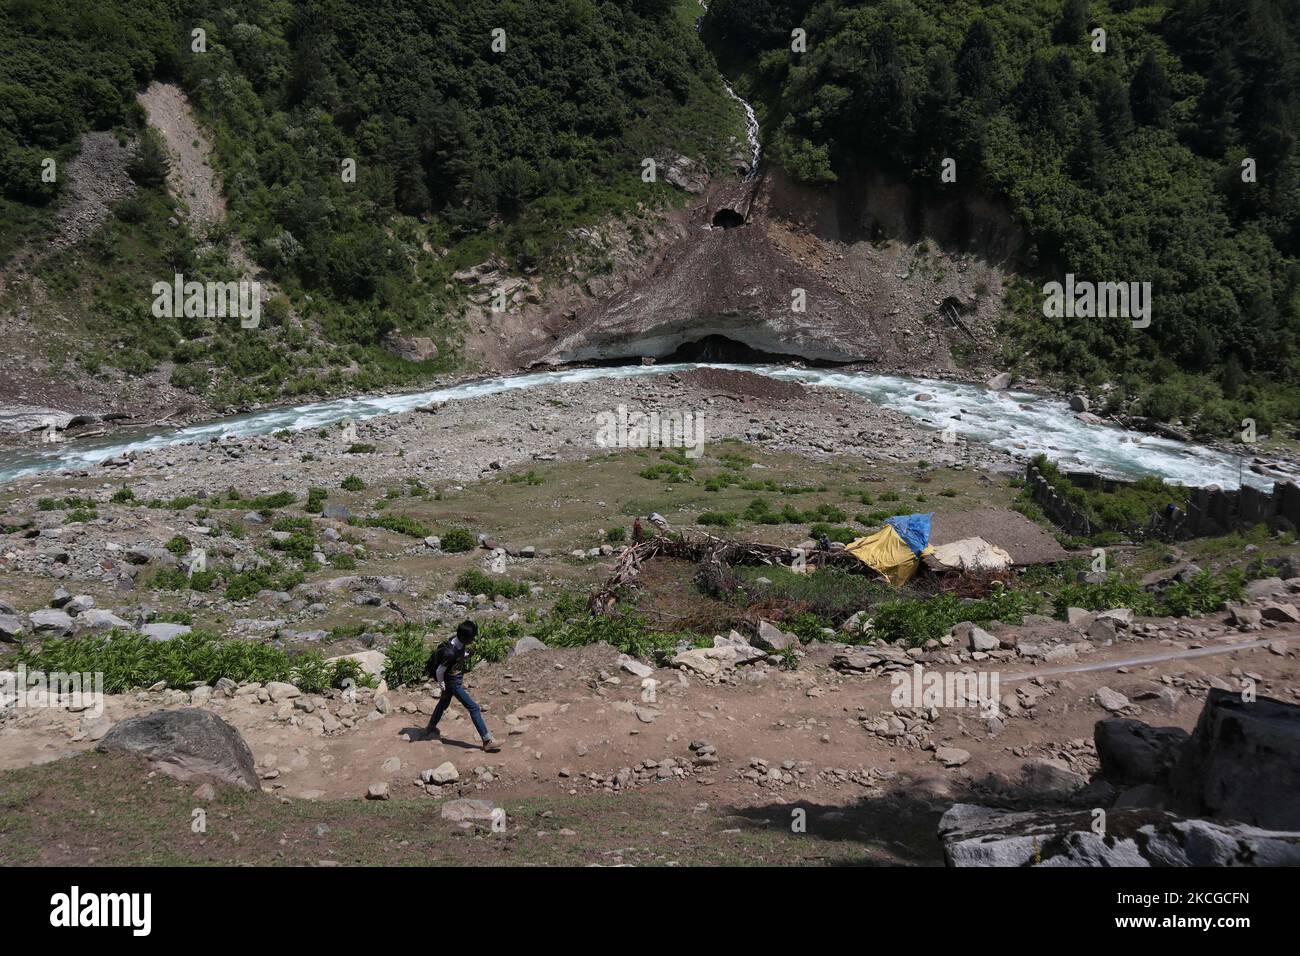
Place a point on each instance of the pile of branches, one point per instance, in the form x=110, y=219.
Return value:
x=715, y=557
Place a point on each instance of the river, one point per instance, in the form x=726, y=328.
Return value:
x=1019, y=422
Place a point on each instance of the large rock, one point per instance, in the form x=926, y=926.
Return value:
x=98, y=619
x=1242, y=762
x=981, y=836
x=51, y=621
x=1132, y=752
x=372, y=662
x=412, y=348
x=460, y=811
x=164, y=632
x=11, y=627
x=186, y=744
x=526, y=645
x=773, y=638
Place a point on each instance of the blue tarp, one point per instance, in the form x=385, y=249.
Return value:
x=914, y=529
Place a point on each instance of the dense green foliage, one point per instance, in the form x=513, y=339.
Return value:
x=129, y=660
x=1123, y=165
x=1123, y=509
x=461, y=152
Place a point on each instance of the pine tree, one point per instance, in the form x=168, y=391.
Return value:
x=1149, y=93
x=1113, y=110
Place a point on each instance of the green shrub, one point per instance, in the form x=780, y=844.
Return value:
x=842, y=535
x=401, y=524
x=129, y=660
x=407, y=655
x=915, y=621
x=457, y=540
x=721, y=519
x=122, y=496
x=475, y=581
x=352, y=483
x=529, y=477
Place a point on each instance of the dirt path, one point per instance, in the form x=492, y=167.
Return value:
x=569, y=729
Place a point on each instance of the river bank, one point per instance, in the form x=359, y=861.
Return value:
x=1005, y=425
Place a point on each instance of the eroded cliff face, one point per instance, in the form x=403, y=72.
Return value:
x=862, y=272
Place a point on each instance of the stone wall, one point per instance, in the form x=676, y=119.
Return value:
x=1210, y=511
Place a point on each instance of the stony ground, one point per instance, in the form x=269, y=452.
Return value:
x=592, y=769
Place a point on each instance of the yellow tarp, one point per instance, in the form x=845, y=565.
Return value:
x=886, y=552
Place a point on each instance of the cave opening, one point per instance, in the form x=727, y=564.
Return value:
x=726, y=218
x=719, y=348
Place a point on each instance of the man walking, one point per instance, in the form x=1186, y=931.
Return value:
x=447, y=666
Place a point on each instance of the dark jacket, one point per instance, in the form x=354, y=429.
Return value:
x=448, y=660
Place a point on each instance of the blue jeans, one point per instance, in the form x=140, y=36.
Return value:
x=452, y=687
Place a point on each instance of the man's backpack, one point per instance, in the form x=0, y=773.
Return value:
x=444, y=653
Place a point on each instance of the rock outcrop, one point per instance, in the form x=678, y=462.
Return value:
x=186, y=744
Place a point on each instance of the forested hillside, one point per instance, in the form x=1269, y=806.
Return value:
x=459, y=148
x=1122, y=165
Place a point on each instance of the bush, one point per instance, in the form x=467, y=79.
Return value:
x=401, y=524
x=129, y=660
x=915, y=621
x=122, y=496
x=457, y=540
x=407, y=656
x=352, y=483
x=721, y=519
x=476, y=582
x=842, y=535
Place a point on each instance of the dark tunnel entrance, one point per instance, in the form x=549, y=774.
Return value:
x=726, y=218
x=719, y=348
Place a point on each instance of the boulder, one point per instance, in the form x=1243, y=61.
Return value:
x=981, y=836
x=1242, y=762
x=412, y=348
x=951, y=756
x=185, y=744
x=526, y=645
x=1132, y=752
x=11, y=627
x=773, y=638
x=282, y=690
x=372, y=662
x=1279, y=611
x=1112, y=700
x=460, y=811
x=444, y=773
x=1050, y=777
x=98, y=619
x=164, y=632
x=1000, y=382
x=634, y=666
x=50, y=620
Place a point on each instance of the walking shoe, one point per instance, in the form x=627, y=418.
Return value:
x=491, y=746
x=431, y=733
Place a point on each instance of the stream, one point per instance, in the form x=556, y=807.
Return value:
x=1021, y=423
